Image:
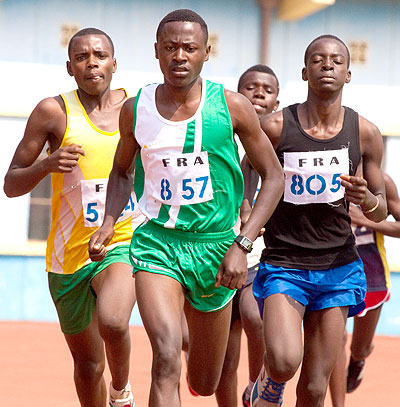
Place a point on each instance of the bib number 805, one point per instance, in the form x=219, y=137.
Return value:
x=318, y=187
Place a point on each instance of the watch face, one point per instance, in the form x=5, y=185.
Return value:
x=245, y=242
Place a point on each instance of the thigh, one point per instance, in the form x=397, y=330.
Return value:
x=160, y=300
x=323, y=340
x=249, y=313
x=208, y=338
x=115, y=290
x=282, y=324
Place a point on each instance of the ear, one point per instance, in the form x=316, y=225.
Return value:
x=208, y=50
x=69, y=69
x=276, y=105
x=304, y=74
x=114, y=65
x=348, y=77
x=155, y=50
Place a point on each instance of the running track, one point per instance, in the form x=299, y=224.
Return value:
x=36, y=371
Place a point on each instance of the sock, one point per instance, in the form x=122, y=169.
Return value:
x=120, y=394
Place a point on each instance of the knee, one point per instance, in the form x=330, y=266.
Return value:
x=113, y=327
x=313, y=393
x=253, y=326
x=167, y=363
x=88, y=369
x=282, y=367
x=205, y=386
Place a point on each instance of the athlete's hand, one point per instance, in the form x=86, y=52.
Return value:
x=232, y=273
x=65, y=159
x=356, y=189
x=99, y=241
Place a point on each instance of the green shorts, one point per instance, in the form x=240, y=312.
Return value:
x=73, y=296
x=190, y=258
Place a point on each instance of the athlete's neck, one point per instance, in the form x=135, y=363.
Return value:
x=178, y=103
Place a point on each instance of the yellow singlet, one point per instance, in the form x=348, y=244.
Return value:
x=78, y=197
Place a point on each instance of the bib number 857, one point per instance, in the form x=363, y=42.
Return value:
x=318, y=187
x=188, y=190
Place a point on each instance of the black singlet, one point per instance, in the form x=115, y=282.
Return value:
x=313, y=236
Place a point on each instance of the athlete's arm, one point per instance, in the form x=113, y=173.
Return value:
x=250, y=177
x=388, y=228
x=47, y=123
x=119, y=184
x=368, y=191
x=263, y=159
x=233, y=269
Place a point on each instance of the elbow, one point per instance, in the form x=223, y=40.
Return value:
x=9, y=192
x=8, y=188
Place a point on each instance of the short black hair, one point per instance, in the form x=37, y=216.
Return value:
x=257, y=68
x=184, y=15
x=328, y=37
x=89, y=31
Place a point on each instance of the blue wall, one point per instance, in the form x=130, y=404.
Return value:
x=24, y=295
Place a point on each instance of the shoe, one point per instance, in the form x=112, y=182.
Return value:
x=355, y=373
x=123, y=398
x=191, y=391
x=245, y=399
x=264, y=391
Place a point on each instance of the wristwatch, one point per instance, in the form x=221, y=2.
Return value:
x=245, y=243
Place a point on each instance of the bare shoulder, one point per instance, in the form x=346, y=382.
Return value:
x=48, y=118
x=240, y=108
x=128, y=107
x=50, y=107
x=272, y=125
x=126, y=117
x=236, y=100
x=369, y=132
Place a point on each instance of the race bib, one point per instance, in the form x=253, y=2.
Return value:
x=313, y=176
x=363, y=235
x=94, y=201
x=180, y=179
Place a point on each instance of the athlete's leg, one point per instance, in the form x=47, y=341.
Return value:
x=115, y=290
x=226, y=393
x=282, y=325
x=363, y=334
x=323, y=341
x=253, y=327
x=160, y=299
x=88, y=355
x=361, y=346
x=208, y=339
x=282, y=322
x=337, y=381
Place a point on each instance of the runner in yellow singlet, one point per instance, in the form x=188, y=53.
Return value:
x=94, y=300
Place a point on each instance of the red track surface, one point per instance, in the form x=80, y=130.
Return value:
x=36, y=371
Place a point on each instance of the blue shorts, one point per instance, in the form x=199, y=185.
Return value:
x=343, y=286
